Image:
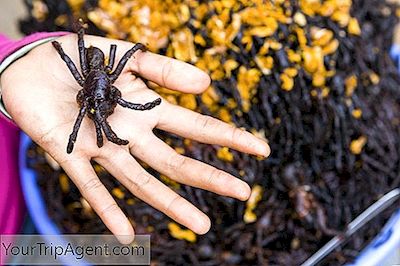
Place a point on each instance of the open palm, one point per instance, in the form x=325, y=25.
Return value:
x=40, y=94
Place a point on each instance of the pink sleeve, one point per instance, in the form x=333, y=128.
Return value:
x=12, y=207
x=8, y=46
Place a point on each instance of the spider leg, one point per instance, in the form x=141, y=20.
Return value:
x=110, y=134
x=111, y=59
x=114, y=75
x=74, y=134
x=138, y=106
x=99, y=134
x=82, y=52
x=116, y=96
x=80, y=97
x=115, y=93
x=71, y=66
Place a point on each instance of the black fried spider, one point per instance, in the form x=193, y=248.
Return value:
x=99, y=97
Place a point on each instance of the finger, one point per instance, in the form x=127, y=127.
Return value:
x=192, y=125
x=188, y=171
x=165, y=71
x=170, y=73
x=88, y=183
x=130, y=173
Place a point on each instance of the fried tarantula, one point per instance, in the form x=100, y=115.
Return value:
x=99, y=97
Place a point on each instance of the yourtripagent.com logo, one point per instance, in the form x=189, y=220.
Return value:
x=73, y=249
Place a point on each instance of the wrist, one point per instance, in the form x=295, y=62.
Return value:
x=12, y=58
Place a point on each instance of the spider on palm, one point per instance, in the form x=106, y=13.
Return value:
x=98, y=97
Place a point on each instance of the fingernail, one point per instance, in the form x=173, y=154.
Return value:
x=243, y=192
x=202, y=225
x=263, y=148
x=267, y=150
x=125, y=239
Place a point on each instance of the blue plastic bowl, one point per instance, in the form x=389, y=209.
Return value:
x=385, y=247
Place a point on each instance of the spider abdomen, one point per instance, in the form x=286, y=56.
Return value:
x=97, y=85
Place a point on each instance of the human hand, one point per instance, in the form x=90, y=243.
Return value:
x=40, y=94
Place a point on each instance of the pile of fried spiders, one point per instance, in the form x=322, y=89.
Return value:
x=98, y=96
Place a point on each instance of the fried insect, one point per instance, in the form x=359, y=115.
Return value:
x=98, y=97
x=307, y=207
